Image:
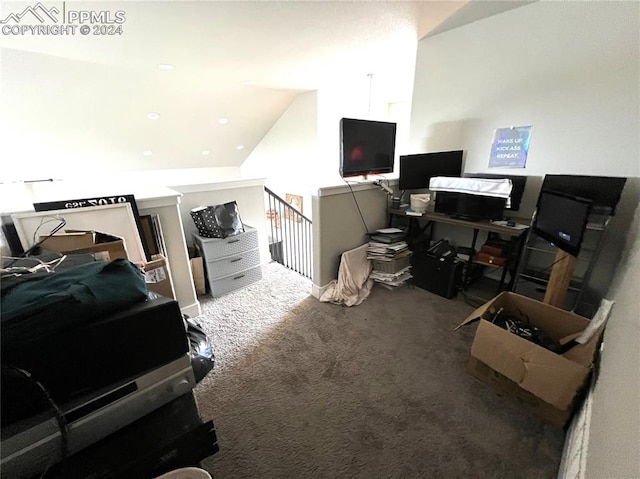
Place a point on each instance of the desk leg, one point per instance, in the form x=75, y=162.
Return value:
x=472, y=253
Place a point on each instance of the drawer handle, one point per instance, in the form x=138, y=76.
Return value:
x=235, y=260
x=240, y=276
x=233, y=241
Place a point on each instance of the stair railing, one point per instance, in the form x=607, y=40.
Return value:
x=290, y=235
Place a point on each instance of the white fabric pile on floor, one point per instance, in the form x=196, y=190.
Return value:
x=353, y=285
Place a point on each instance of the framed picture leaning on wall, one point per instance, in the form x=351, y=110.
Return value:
x=295, y=201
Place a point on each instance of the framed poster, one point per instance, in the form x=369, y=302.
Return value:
x=510, y=147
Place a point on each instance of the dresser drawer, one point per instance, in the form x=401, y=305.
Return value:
x=226, y=284
x=214, y=248
x=232, y=264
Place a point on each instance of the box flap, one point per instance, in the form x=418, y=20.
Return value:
x=551, y=377
x=67, y=241
x=481, y=311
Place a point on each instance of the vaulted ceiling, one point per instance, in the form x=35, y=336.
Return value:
x=87, y=98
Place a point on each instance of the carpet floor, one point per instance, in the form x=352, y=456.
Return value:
x=308, y=389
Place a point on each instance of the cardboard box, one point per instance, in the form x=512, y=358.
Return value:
x=545, y=383
x=197, y=272
x=157, y=277
x=104, y=246
x=197, y=269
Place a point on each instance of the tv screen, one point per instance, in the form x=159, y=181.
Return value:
x=603, y=191
x=518, y=184
x=469, y=207
x=367, y=147
x=417, y=170
x=561, y=219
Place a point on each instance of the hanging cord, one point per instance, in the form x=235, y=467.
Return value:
x=357, y=205
x=57, y=228
x=370, y=75
x=48, y=266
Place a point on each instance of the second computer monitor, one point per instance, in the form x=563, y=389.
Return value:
x=417, y=170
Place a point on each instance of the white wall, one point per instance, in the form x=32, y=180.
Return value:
x=614, y=435
x=572, y=71
x=288, y=154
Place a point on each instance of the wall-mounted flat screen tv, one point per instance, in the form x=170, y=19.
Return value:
x=417, y=170
x=561, y=219
x=603, y=191
x=366, y=147
x=518, y=184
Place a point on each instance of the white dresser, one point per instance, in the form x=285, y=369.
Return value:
x=231, y=263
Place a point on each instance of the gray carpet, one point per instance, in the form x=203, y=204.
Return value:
x=309, y=389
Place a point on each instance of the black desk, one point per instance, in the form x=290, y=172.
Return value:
x=515, y=234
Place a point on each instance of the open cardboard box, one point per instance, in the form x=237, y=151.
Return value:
x=546, y=383
x=156, y=273
x=104, y=246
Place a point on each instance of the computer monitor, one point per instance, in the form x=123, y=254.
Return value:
x=469, y=207
x=603, y=191
x=417, y=170
x=562, y=219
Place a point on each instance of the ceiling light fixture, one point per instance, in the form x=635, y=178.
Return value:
x=205, y=152
x=165, y=66
x=250, y=82
x=153, y=116
x=147, y=153
x=223, y=121
x=240, y=147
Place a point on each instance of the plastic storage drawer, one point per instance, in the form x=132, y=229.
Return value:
x=226, y=284
x=214, y=248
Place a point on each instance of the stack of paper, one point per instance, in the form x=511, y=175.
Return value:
x=377, y=250
x=390, y=255
x=391, y=279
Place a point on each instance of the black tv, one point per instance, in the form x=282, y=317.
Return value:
x=562, y=219
x=603, y=191
x=469, y=207
x=366, y=147
x=518, y=183
x=417, y=170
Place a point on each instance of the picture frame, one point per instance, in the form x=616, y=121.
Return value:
x=295, y=201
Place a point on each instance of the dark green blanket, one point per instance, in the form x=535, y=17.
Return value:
x=60, y=301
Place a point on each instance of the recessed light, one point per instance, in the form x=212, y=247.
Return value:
x=240, y=147
x=147, y=153
x=205, y=152
x=249, y=82
x=153, y=116
x=223, y=121
x=165, y=66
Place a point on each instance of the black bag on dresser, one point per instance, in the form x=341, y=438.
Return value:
x=218, y=221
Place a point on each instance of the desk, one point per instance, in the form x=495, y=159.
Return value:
x=515, y=234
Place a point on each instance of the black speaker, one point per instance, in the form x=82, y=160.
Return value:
x=439, y=275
